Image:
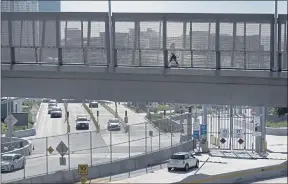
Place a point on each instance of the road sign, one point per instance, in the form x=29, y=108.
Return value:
x=196, y=125
x=82, y=169
x=238, y=133
x=10, y=119
x=256, y=134
x=196, y=134
x=62, y=148
x=50, y=149
x=203, y=129
x=224, y=133
x=62, y=160
x=83, y=179
x=257, y=121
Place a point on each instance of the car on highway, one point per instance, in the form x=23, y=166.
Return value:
x=114, y=124
x=93, y=104
x=52, y=101
x=182, y=160
x=50, y=106
x=10, y=162
x=56, y=112
x=82, y=122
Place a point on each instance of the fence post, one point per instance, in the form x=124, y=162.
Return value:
x=159, y=137
x=129, y=142
x=146, y=137
x=171, y=131
x=91, y=152
x=46, y=155
x=69, y=158
x=110, y=146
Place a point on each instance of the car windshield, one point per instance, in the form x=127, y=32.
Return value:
x=81, y=119
x=56, y=109
x=7, y=158
x=114, y=121
x=52, y=105
x=178, y=157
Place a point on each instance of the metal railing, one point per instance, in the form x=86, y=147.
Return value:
x=93, y=148
x=216, y=41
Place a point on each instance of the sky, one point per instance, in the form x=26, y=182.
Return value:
x=176, y=6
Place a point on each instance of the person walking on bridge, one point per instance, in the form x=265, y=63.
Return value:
x=173, y=56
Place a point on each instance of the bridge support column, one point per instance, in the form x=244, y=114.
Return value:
x=204, y=142
x=260, y=140
x=189, y=124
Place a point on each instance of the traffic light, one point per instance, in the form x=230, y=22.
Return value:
x=190, y=109
x=181, y=111
x=97, y=113
x=164, y=113
x=126, y=113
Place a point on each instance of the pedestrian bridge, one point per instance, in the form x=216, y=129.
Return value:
x=223, y=58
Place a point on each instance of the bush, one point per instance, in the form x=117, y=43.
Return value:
x=92, y=117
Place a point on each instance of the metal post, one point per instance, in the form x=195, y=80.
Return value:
x=146, y=137
x=218, y=113
x=69, y=156
x=129, y=141
x=159, y=138
x=171, y=131
x=231, y=127
x=46, y=155
x=275, y=33
x=91, y=151
x=151, y=143
x=184, y=41
x=234, y=44
x=110, y=32
x=181, y=125
x=217, y=45
x=110, y=146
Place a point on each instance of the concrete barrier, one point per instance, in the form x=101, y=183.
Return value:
x=108, y=169
x=19, y=146
x=276, y=131
x=244, y=176
x=31, y=131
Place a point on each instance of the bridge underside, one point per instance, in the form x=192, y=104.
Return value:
x=150, y=84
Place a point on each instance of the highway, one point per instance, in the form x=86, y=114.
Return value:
x=79, y=144
x=137, y=132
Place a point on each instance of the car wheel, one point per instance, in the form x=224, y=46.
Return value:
x=197, y=164
x=169, y=169
x=186, y=167
x=12, y=168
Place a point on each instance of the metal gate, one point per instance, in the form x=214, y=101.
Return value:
x=230, y=128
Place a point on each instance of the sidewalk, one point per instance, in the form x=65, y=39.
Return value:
x=133, y=117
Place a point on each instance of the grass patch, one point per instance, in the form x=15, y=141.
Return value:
x=96, y=123
x=277, y=124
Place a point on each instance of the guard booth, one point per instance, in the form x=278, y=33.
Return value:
x=235, y=128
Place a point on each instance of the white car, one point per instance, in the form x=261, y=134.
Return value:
x=82, y=122
x=10, y=162
x=50, y=106
x=114, y=124
x=182, y=160
x=52, y=101
x=56, y=112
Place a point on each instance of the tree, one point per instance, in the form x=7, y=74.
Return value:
x=280, y=111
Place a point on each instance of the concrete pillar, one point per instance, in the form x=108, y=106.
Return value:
x=258, y=139
x=189, y=123
x=204, y=142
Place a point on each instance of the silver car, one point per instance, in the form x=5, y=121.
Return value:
x=56, y=112
x=50, y=106
x=10, y=162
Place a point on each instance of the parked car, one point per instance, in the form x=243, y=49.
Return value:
x=82, y=122
x=182, y=160
x=50, y=106
x=10, y=162
x=114, y=124
x=93, y=104
x=56, y=112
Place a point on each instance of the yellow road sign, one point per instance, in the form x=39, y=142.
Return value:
x=83, y=179
x=50, y=149
x=83, y=169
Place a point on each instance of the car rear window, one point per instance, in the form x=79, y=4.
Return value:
x=113, y=121
x=81, y=119
x=178, y=157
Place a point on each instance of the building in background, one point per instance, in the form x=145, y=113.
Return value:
x=12, y=107
x=49, y=6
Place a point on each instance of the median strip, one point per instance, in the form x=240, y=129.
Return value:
x=112, y=112
x=92, y=116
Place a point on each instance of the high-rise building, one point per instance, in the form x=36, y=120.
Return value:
x=49, y=6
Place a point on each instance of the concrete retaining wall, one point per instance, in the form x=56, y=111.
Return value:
x=20, y=146
x=28, y=132
x=277, y=131
x=244, y=176
x=117, y=167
